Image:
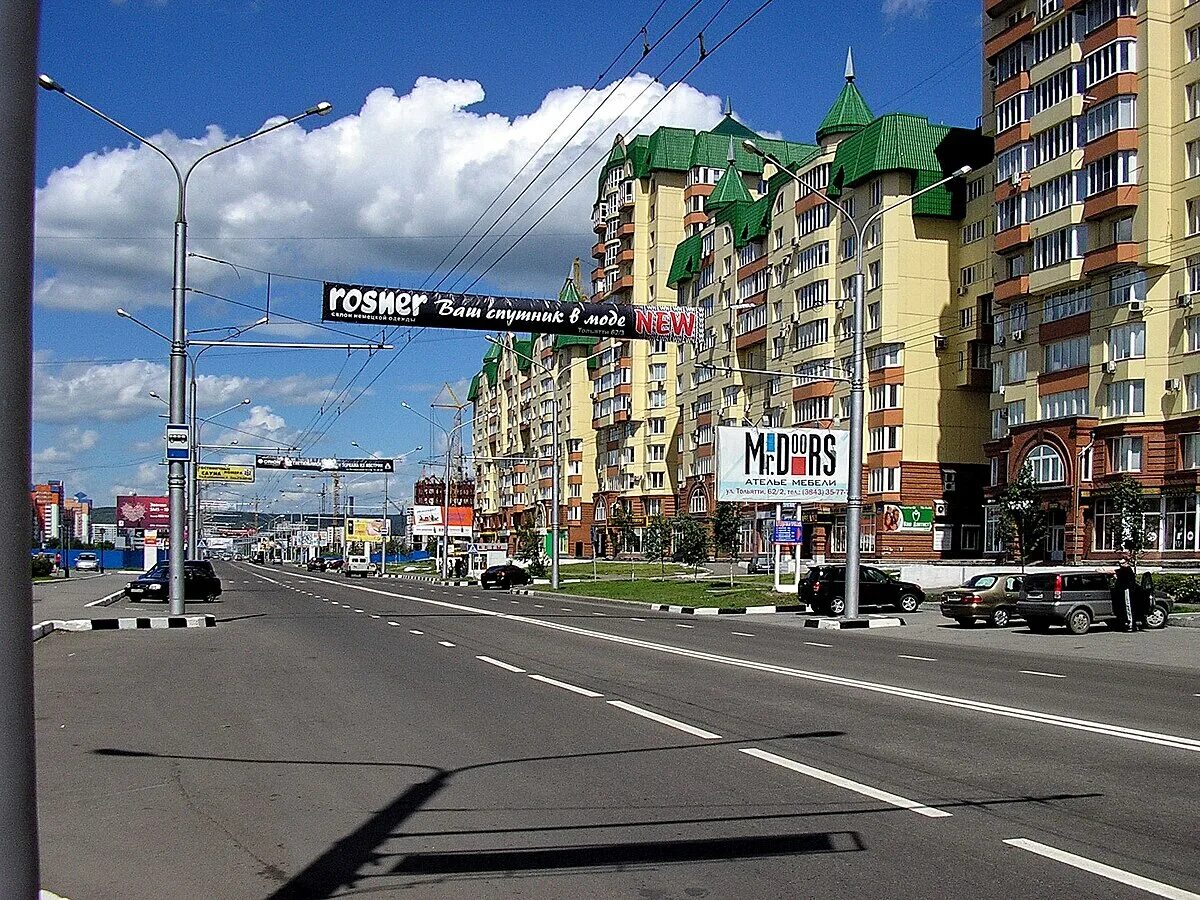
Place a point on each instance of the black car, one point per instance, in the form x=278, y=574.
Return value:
x=824, y=590
x=316, y=564
x=200, y=582
x=504, y=576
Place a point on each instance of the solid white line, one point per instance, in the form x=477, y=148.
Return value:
x=414, y=631
x=1176, y=742
x=502, y=665
x=446, y=643
x=815, y=644
x=921, y=658
x=681, y=625
x=839, y=781
x=1043, y=674
x=742, y=633
x=1096, y=868
x=566, y=687
x=663, y=720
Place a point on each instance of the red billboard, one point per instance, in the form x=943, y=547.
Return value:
x=143, y=512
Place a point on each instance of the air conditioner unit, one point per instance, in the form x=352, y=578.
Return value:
x=939, y=507
x=999, y=341
x=795, y=242
x=1018, y=335
x=962, y=292
x=1015, y=180
x=1110, y=367
x=1136, y=306
x=1172, y=385
x=1001, y=391
x=1184, y=301
x=939, y=342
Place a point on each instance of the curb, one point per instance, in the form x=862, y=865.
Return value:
x=124, y=624
x=1185, y=621
x=107, y=600
x=430, y=579
x=844, y=624
x=662, y=607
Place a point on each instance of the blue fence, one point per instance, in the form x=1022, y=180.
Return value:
x=109, y=559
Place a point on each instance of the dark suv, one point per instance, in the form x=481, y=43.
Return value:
x=1077, y=599
x=824, y=590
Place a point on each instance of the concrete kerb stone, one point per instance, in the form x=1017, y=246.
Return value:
x=663, y=607
x=430, y=579
x=1187, y=620
x=137, y=623
x=831, y=624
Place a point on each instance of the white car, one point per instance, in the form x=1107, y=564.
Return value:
x=87, y=562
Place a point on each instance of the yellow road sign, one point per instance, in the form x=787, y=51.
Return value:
x=223, y=472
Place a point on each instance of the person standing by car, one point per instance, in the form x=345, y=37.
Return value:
x=1124, y=589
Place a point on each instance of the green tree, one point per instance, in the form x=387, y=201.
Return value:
x=620, y=523
x=691, y=541
x=727, y=528
x=529, y=549
x=1124, y=497
x=657, y=543
x=1023, y=519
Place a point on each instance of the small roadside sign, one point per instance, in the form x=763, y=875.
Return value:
x=179, y=443
x=788, y=532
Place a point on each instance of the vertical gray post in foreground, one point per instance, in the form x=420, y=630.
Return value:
x=18, y=798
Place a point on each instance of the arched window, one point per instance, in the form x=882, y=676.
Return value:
x=1046, y=464
x=601, y=514
x=699, y=502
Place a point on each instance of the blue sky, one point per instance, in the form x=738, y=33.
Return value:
x=436, y=105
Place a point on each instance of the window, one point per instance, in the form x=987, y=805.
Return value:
x=698, y=504
x=1016, y=160
x=1127, y=398
x=1189, y=445
x=1069, y=353
x=993, y=532
x=1119, y=56
x=1124, y=454
x=1193, y=100
x=1066, y=303
x=1010, y=213
x=1180, y=524
x=885, y=356
x=1059, y=246
x=1053, y=142
x=874, y=275
x=849, y=247
x=1191, y=39
x=966, y=317
x=1108, y=531
x=1065, y=403
x=1017, y=366
x=812, y=295
x=1015, y=412
x=1127, y=341
x=1122, y=230
x=1193, y=216
x=877, y=190
x=886, y=438
x=1046, y=465
x=812, y=333
x=1193, y=332
x=657, y=480
x=881, y=481
x=1110, y=171
x=1192, y=392
x=1193, y=158
x=1050, y=196
x=657, y=372
x=810, y=258
x=656, y=453
x=1107, y=117
x=1085, y=464
x=885, y=396
x=1055, y=37
x=1053, y=90
x=874, y=316
x=658, y=399
x=812, y=219
x=814, y=409
x=1013, y=111
x=658, y=426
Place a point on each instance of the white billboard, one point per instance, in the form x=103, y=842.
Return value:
x=782, y=465
x=427, y=521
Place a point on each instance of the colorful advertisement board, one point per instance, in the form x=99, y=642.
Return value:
x=368, y=530
x=427, y=521
x=134, y=511
x=906, y=519
x=324, y=464
x=782, y=465
x=223, y=472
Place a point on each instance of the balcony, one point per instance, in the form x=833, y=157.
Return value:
x=598, y=250
x=1120, y=197
x=1110, y=257
x=1011, y=288
x=1011, y=238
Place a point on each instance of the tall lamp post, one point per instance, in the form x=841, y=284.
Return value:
x=178, y=412
x=854, y=499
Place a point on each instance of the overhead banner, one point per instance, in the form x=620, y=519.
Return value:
x=143, y=512
x=368, y=530
x=782, y=465
x=907, y=519
x=427, y=521
x=324, y=464
x=223, y=472
x=371, y=305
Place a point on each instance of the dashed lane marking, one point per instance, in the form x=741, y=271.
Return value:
x=665, y=720
x=1042, y=674
x=1112, y=873
x=446, y=644
x=373, y=616
x=818, y=644
x=742, y=633
x=919, y=658
x=681, y=625
x=837, y=780
x=396, y=624
x=566, y=687
x=503, y=665
x=414, y=631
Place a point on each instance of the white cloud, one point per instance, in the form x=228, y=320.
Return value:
x=380, y=189
x=51, y=456
x=81, y=439
x=893, y=9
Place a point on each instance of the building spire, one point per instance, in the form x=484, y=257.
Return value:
x=732, y=155
x=728, y=105
x=850, y=64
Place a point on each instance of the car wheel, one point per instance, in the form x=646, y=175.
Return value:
x=999, y=618
x=1039, y=626
x=1156, y=617
x=908, y=603
x=504, y=585
x=837, y=606
x=1079, y=621
x=965, y=621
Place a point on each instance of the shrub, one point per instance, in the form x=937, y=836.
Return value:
x=1183, y=587
x=42, y=566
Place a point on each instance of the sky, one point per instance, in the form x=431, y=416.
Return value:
x=437, y=106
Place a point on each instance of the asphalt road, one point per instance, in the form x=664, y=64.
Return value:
x=383, y=738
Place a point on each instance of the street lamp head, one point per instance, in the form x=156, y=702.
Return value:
x=750, y=147
x=50, y=84
x=263, y=321
x=965, y=170
x=246, y=401
x=122, y=313
x=323, y=108
x=155, y=395
x=404, y=403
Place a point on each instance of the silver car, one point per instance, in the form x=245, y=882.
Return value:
x=87, y=562
x=1077, y=599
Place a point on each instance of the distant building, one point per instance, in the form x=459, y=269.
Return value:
x=47, y=502
x=78, y=510
x=431, y=491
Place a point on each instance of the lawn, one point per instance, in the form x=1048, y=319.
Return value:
x=613, y=568
x=678, y=592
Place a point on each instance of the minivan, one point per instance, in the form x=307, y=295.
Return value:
x=1077, y=599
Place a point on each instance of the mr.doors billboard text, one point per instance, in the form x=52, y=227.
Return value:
x=367, y=305
x=782, y=465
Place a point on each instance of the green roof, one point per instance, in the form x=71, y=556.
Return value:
x=730, y=189
x=731, y=127
x=686, y=262
x=491, y=364
x=523, y=348
x=562, y=341
x=473, y=392
x=569, y=293
x=895, y=142
x=849, y=112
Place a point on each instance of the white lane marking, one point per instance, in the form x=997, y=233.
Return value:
x=598, y=614
x=865, y=789
x=566, y=687
x=390, y=622
x=816, y=644
x=1176, y=742
x=373, y=616
x=358, y=610
x=742, y=633
x=567, y=609
x=1043, y=674
x=664, y=720
x=681, y=625
x=414, y=631
x=636, y=619
x=106, y=598
x=539, y=606
x=1097, y=868
x=446, y=643
x=921, y=658
x=502, y=665
x=514, y=601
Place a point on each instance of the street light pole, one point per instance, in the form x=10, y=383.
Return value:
x=854, y=499
x=178, y=384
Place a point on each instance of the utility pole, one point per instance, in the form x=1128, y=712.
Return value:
x=337, y=508
x=18, y=774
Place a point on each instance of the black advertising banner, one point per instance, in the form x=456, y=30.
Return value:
x=368, y=305
x=323, y=464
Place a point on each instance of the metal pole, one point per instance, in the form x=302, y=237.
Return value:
x=854, y=491
x=178, y=415
x=18, y=781
x=446, y=516
x=193, y=486
x=554, y=496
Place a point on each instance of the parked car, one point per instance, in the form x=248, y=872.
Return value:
x=762, y=564
x=1078, y=599
x=316, y=564
x=503, y=576
x=824, y=590
x=333, y=563
x=992, y=597
x=87, y=562
x=200, y=582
